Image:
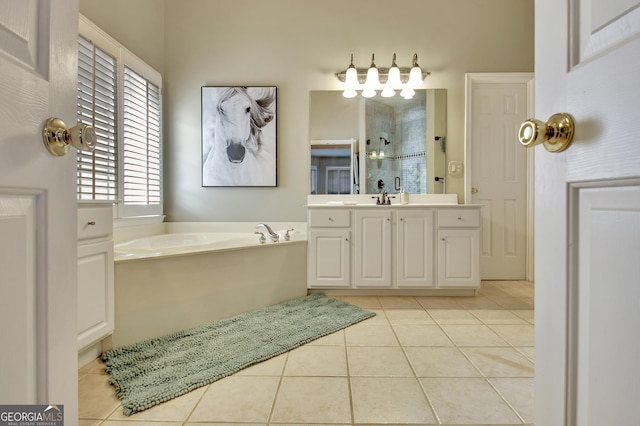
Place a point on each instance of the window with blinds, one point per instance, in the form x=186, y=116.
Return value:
x=97, y=171
x=120, y=96
x=141, y=140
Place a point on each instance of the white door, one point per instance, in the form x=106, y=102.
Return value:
x=497, y=104
x=587, y=215
x=38, y=73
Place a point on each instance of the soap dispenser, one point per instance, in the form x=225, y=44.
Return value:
x=404, y=196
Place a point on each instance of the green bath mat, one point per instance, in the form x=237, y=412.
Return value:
x=156, y=370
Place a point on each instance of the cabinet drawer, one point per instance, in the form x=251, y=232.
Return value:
x=95, y=222
x=329, y=218
x=458, y=218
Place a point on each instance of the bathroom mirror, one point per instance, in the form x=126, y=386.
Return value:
x=369, y=145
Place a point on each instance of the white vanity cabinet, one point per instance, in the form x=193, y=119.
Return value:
x=372, y=260
x=396, y=249
x=95, y=273
x=329, y=250
x=415, y=248
x=458, y=248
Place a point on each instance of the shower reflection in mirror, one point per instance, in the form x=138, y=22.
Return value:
x=400, y=143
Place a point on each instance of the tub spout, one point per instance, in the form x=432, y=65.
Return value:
x=275, y=237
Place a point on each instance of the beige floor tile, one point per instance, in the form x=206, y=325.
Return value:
x=497, y=316
x=438, y=302
x=370, y=335
x=500, y=362
x=527, y=315
x=528, y=351
x=312, y=400
x=177, y=409
x=138, y=423
x=440, y=362
x=516, y=335
x=378, y=361
x=477, y=302
x=94, y=367
x=408, y=316
x=96, y=397
x=389, y=400
x=399, y=302
x=366, y=302
x=237, y=399
x=452, y=316
x=83, y=422
x=380, y=318
x=468, y=401
x=317, y=361
x=270, y=367
x=473, y=335
x=513, y=303
x=421, y=335
x=333, y=339
x=518, y=393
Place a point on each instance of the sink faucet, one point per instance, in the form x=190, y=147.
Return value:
x=275, y=237
x=385, y=201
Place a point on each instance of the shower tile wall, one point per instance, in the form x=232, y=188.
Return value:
x=405, y=127
x=411, y=125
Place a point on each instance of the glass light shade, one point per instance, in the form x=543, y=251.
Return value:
x=393, y=80
x=407, y=93
x=349, y=93
x=415, y=77
x=373, y=154
x=351, y=77
x=368, y=93
x=381, y=155
x=373, y=78
x=387, y=92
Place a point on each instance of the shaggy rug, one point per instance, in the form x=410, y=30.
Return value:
x=156, y=370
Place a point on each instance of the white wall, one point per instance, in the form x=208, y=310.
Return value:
x=298, y=46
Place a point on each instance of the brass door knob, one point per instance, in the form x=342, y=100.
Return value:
x=556, y=134
x=58, y=137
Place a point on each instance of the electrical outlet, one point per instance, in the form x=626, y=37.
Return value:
x=455, y=168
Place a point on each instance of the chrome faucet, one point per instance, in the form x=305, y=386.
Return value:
x=386, y=199
x=275, y=237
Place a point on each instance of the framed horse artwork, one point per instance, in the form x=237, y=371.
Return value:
x=239, y=136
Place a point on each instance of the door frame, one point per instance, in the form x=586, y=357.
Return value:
x=527, y=78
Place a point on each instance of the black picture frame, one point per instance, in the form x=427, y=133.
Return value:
x=239, y=136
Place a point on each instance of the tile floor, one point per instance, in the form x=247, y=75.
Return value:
x=419, y=361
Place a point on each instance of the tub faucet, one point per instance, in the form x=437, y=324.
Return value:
x=275, y=237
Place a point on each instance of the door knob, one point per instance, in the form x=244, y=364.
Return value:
x=556, y=134
x=58, y=137
x=474, y=190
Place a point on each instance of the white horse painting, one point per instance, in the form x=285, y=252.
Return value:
x=238, y=136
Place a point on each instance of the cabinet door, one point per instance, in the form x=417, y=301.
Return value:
x=329, y=258
x=372, y=265
x=459, y=258
x=95, y=292
x=414, y=250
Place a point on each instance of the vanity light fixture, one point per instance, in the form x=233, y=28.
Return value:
x=386, y=79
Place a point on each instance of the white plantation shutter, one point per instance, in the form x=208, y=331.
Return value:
x=120, y=96
x=141, y=142
x=97, y=171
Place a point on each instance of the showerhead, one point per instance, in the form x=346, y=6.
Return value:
x=386, y=141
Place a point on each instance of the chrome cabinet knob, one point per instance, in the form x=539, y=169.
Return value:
x=556, y=134
x=58, y=137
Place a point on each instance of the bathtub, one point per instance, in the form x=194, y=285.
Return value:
x=179, y=277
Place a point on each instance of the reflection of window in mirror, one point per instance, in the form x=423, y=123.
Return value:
x=331, y=166
x=314, y=179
